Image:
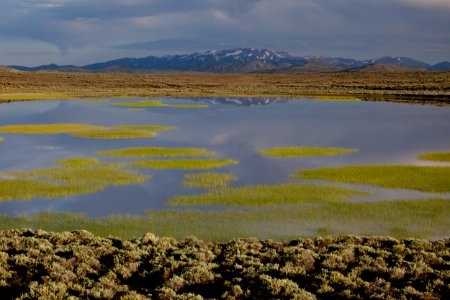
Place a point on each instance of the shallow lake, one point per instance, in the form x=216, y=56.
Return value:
x=235, y=128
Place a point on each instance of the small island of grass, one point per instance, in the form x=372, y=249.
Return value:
x=425, y=179
x=115, y=134
x=208, y=180
x=156, y=151
x=266, y=195
x=159, y=103
x=142, y=127
x=436, y=156
x=305, y=151
x=49, y=128
x=184, y=164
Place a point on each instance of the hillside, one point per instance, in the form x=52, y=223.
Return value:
x=239, y=60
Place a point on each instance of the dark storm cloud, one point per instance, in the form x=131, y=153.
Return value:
x=363, y=28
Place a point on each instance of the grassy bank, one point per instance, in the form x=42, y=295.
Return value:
x=425, y=218
x=41, y=265
x=421, y=87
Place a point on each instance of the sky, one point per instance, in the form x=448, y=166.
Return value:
x=79, y=32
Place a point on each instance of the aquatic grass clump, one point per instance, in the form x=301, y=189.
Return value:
x=61, y=182
x=156, y=151
x=436, y=156
x=208, y=180
x=305, y=151
x=2, y=139
x=143, y=127
x=78, y=163
x=136, y=109
x=158, y=103
x=336, y=98
x=115, y=134
x=49, y=128
x=266, y=195
x=184, y=164
x=425, y=179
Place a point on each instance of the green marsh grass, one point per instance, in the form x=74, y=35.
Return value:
x=305, y=151
x=34, y=96
x=2, y=139
x=49, y=128
x=158, y=103
x=60, y=182
x=156, y=151
x=136, y=109
x=425, y=179
x=425, y=218
x=115, y=134
x=336, y=98
x=268, y=195
x=184, y=164
x=79, y=163
x=143, y=127
x=208, y=180
x=436, y=156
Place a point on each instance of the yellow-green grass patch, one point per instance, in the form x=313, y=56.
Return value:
x=436, y=156
x=115, y=134
x=158, y=103
x=142, y=127
x=425, y=218
x=2, y=139
x=79, y=163
x=136, y=109
x=208, y=180
x=34, y=96
x=49, y=128
x=305, y=151
x=266, y=195
x=60, y=182
x=156, y=151
x=425, y=179
x=184, y=164
x=336, y=98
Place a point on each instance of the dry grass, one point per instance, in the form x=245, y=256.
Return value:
x=412, y=86
x=436, y=156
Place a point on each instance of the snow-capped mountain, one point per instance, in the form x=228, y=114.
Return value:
x=239, y=60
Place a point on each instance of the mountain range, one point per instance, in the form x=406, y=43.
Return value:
x=245, y=60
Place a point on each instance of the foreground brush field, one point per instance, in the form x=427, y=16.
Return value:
x=73, y=265
x=429, y=87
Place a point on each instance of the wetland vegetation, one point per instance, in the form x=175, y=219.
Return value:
x=49, y=128
x=143, y=127
x=304, y=151
x=115, y=134
x=156, y=151
x=425, y=179
x=208, y=180
x=436, y=156
x=77, y=176
x=184, y=164
x=267, y=195
x=420, y=218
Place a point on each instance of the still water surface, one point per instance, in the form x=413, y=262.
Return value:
x=384, y=133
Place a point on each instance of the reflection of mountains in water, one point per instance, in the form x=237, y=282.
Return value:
x=243, y=101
